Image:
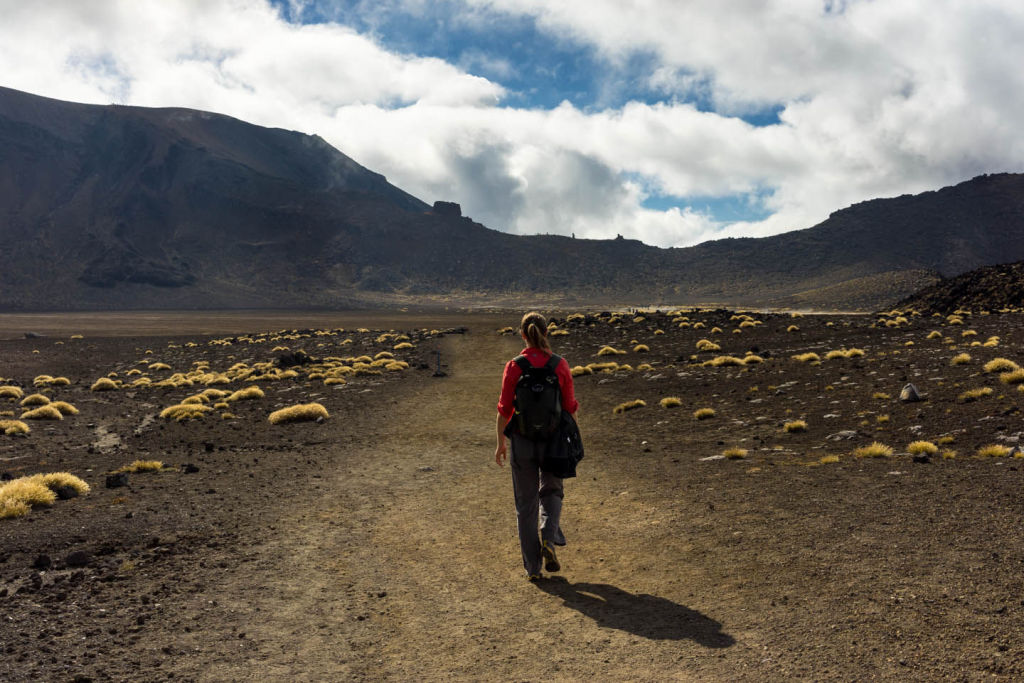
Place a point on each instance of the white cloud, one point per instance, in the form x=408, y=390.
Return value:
x=877, y=98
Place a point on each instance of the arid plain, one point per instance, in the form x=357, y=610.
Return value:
x=755, y=543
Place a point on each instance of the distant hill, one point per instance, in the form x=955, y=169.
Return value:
x=114, y=207
x=992, y=288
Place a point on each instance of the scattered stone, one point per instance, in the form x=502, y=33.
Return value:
x=66, y=492
x=425, y=468
x=846, y=434
x=712, y=457
x=910, y=394
x=42, y=562
x=117, y=480
x=78, y=559
x=922, y=458
x=189, y=468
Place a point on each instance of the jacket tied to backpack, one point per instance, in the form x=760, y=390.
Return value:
x=539, y=418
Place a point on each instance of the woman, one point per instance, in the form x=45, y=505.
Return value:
x=535, y=490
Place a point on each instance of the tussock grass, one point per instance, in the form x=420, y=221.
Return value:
x=11, y=392
x=299, y=413
x=625, y=367
x=610, y=351
x=628, y=405
x=142, y=466
x=792, y=328
x=991, y=342
x=56, y=480
x=704, y=413
x=159, y=366
x=961, y=359
x=670, y=402
x=103, y=384
x=974, y=394
x=809, y=357
x=28, y=491
x=35, y=400
x=795, y=426
x=707, y=345
x=603, y=367
x=934, y=334
x=882, y=419
x=699, y=325
x=735, y=453
x=64, y=407
x=644, y=367
x=47, y=412
x=752, y=359
x=185, y=411
x=11, y=508
x=748, y=323
x=873, y=450
x=14, y=427
x=881, y=395
x=969, y=333
x=402, y=345
x=719, y=361
x=1012, y=377
x=581, y=370
x=641, y=348
x=657, y=332
x=1000, y=365
x=994, y=450
x=246, y=394
x=332, y=381
x=922, y=448
x=716, y=330
x=828, y=459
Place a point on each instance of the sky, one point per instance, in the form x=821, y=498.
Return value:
x=668, y=121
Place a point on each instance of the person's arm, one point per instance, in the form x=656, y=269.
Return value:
x=501, y=453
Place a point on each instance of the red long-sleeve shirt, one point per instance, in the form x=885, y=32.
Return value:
x=537, y=358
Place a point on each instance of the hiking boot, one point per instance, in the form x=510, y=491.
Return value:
x=534, y=578
x=550, y=559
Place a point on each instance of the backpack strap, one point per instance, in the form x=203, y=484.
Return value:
x=553, y=362
x=522, y=362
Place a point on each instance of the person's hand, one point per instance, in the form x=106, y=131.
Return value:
x=501, y=454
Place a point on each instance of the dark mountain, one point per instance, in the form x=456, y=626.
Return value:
x=129, y=207
x=992, y=288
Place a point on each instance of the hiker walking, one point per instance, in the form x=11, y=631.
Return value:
x=536, y=404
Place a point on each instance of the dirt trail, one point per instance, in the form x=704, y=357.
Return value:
x=405, y=566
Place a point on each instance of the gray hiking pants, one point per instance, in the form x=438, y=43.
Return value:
x=535, y=492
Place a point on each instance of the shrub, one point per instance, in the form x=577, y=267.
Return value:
x=752, y=359
x=185, y=411
x=704, y=413
x=581, y=370
x=12, y=427
x=747, y=323
x=603, y=367
x=628, y=405
x=699, y=325
x=974, y=394
x=994, y=450
x=670, y=402
x=810, y=357
x=948, y=454
x=922, y=448
x=969, y=333
x=64, y=407
x=56, y=480
x=1012, y=377
x=29, y=491
x=707, y=345
x=47, y=412
x=11, y=392
x=331, y=381
x=795, y=426
x=103, y=384
x=609, y=351
x=948, y=438
x=10, y=508
x=873, y=450
x=641, y=348
x=159, y=366
x=35, y=400
x=1000, y=365
x=991, y=342
x=402, y=346
x=143, y=466
x=934, y=334
x=299, y=413
x=247, y=394
x=735, y=453
x=719, y=361
x=644, y=367
x=961, y=359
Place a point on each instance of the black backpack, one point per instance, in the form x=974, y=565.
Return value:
x=538, y=399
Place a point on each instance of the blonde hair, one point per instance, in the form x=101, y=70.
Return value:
x=535, y=328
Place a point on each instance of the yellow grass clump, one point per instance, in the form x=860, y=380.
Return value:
x=974, y=394
x=792, y=328
x=304, y=412
x=881, y=395
x=748, y=323
x=644, y=367
x=628, y=405
x=47, y=412
x=143, y=466
x=670, y=402
x=11, y=392
x=610, y=351
x=961, y=359
x=994, y=450
x=969, y=333
x=28, y=491
x=752, y=359
x=247, y=394
x=934, y=334
x=707, y=345
x=103, y=384
x=581, y=370
x=719, y=361
x=159, y=366
x=657, y=332
x=13, y=427
x=331, y=381
x=922, y=448
x=1012, y=377
x=735, y=453
x=185, y=411
x=828, y=459
x=809, y=357
x=991, y=341
x=35, y=400
x=64, y=407
x=873, y=450
x=1000, y=365
x=402, y=345
x=610, y=366
x=641, y=348
x=704, y=413
x=10, y=508
x=795, y=426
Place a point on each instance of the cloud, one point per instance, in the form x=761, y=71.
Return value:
x=873, y=99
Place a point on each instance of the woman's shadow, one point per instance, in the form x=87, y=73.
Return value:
x=647, y=616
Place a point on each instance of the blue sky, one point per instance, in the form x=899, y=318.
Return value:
x=669, y=121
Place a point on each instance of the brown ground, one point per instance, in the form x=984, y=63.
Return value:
x=381, y=543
